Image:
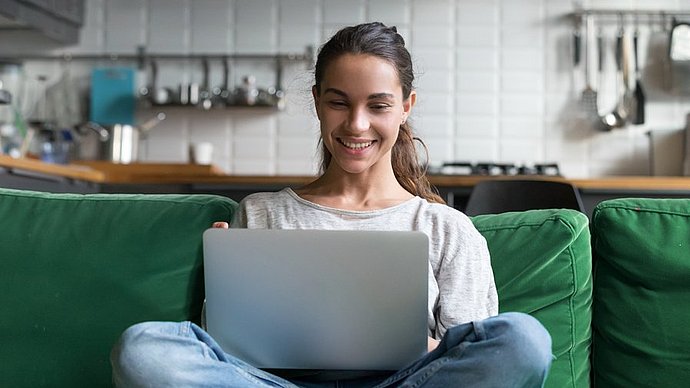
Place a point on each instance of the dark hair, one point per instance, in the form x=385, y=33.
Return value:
x=378, y=40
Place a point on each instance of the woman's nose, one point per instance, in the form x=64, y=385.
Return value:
x=359, y=120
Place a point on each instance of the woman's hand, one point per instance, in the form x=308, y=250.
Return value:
x=432, y=343
x=220, y=225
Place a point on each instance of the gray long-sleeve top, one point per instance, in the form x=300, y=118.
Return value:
x=461, y=281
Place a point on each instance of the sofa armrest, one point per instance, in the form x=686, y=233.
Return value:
x=76, y=270
x=641, y=320
x=542, y=266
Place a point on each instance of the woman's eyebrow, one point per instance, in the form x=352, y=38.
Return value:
x=336, y=91
x=373, y=96
x=376, y=96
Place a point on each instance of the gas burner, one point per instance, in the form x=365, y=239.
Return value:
x=490, y=168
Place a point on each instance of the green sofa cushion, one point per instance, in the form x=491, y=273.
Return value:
x=641, y=318
x=542, y=266
x=76, y=270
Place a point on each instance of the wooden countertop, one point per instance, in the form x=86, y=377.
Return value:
x=641, y=183
x=173, y=173
x=68, y=171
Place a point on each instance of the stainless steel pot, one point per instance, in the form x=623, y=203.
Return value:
x=121, y=144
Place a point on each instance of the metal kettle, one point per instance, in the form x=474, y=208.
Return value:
x=119, y=143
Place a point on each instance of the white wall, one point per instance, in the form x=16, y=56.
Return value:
x=495, y=78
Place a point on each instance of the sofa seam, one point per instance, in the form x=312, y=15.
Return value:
x=573, y=320
x=571, y=307
x=554, y=217
x=604, y=206
x=117, y=197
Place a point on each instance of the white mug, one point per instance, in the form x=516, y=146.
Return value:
x=201, y=153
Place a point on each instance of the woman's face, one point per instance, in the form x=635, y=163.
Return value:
x=360, y=106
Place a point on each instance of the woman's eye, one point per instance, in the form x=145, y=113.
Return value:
x=380, y=107
x=337, y=103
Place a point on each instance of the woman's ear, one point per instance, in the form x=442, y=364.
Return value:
x=315, y=95
x=408, y=104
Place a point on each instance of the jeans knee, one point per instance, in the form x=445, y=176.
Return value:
x=133, y=342
x=528, y=340
x=138, y=354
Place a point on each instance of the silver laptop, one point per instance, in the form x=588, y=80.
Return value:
x=314, y=299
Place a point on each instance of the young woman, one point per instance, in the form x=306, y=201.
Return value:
x=371, y=179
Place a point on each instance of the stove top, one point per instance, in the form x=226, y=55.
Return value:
x=491, y=168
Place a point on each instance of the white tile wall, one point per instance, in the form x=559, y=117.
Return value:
x=211, y=32
x=390, y=12
x=170, y=18
x=254, y=23
x=495, y=78
x=336, y=12
x=125, y=25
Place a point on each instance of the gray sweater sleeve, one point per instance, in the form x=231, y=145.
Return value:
x=466, y=288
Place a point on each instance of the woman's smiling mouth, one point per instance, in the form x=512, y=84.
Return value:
x=355, y=145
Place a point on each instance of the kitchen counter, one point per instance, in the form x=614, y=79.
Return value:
x=104, y=177
x=59, y=170
x=106, y=172
x=174, y=173
x=636, y=183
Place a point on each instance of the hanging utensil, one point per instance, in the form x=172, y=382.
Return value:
x=628, y=93
x=601, y=59
x=589, y=95
x=279, y=93
x=157, y=95
x=577, y=57
x=679, y=45
x=221, y=93
x=617, y=118
x=640, y=99
x=205, y=91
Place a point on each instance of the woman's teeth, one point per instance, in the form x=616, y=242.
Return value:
x=356, y=146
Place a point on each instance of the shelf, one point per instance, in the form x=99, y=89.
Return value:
x=141, y=57
x=223, y=108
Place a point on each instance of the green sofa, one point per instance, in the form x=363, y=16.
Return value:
x=76, y=270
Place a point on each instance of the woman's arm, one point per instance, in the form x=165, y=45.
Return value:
x=432, y=343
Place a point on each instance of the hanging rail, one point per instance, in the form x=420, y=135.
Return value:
x=141, y=57
x=659, y=16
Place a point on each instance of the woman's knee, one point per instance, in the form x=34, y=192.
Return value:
x=139, y=339
x=142, y=351
x=526, y=339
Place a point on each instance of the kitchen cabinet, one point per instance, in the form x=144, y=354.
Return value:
x=58, y=20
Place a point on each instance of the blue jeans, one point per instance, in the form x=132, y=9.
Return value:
x=508, y=350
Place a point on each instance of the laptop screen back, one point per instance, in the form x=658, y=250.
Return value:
x=312, y=299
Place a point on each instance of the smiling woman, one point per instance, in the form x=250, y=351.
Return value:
x=371, y=181
x=360, y=121
x=377, y=106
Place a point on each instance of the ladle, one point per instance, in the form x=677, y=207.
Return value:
x=617, y=118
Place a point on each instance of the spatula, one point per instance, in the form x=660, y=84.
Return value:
x=589, y=95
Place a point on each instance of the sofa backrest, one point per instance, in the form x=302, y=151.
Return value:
x=542, y=266
x=641, y=312
x=76, y=270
